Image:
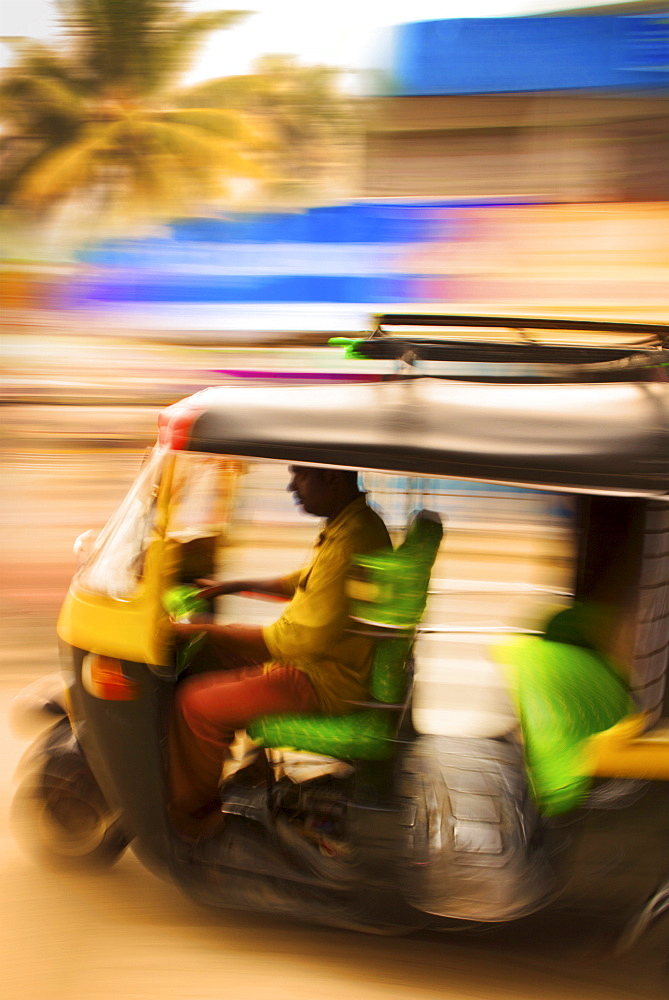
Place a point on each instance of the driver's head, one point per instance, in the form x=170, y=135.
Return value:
x=323, y=492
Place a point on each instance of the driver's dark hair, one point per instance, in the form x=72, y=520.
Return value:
x=350, y=476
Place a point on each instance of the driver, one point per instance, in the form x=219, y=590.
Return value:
x=304, y=662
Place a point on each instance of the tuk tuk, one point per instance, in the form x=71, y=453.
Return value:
x=441, y=797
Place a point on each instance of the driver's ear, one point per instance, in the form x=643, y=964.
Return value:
x=331, y=477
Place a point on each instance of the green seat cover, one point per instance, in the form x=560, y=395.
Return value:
x=565, y=692
x=390, y=670
x=363, y=735
x=390, y=588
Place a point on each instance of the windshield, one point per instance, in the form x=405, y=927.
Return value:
x=116, y=563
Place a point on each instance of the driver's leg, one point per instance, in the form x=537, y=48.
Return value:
x=208, y=710
x=227, y=647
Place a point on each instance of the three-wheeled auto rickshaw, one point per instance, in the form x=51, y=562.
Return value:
x=442, y=796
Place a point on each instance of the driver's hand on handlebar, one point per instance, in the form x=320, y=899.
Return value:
x=186, y=630
x=211, y=588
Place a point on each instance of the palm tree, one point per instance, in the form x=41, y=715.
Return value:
x=96, y=121
x=313, y=131
x=99, y=125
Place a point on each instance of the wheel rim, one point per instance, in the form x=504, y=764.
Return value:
x=70, y=825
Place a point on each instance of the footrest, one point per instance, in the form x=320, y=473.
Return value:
x=249, y=801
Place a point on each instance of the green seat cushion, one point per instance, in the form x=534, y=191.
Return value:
x=364, y=735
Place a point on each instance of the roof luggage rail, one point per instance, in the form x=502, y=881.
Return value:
x=643, y=351
x=652, y=334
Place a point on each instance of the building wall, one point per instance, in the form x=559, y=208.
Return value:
x=575, y=147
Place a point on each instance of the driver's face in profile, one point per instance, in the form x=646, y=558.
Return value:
x=311, y=489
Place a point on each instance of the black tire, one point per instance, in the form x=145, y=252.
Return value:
x=58, y=814
x=474, y=842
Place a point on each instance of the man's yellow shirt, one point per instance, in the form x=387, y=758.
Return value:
x=310, y=634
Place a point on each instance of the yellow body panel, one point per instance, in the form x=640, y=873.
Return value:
x=628, y=750
x=136, y=629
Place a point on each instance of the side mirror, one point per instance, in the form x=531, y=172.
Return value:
x=83, y=545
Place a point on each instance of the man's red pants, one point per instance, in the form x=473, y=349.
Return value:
x=208, y=709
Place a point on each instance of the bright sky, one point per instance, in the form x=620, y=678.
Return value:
x=343, y=33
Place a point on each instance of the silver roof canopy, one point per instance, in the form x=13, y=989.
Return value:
x=584, y=437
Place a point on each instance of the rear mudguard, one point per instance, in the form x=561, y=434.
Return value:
x=475, y=844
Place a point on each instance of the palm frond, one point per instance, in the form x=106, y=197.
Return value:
x=228, y=124
x=223, y=92
x=174, y=49
x=31, y=98
x=60, y=171
x=193, y=29
x=203, y=151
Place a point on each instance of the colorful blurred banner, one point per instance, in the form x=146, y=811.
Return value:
x=351, y=253
x=343, y=262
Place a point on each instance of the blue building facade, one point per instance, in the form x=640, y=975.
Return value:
x=521, y=54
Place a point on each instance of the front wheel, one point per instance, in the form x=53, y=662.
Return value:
x=59, y=815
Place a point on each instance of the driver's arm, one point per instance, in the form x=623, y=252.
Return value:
x=275, y=587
